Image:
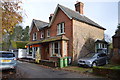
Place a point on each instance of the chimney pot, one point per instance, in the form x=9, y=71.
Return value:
x=51, y=15
x=79, y=7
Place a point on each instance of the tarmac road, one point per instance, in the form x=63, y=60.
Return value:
x=30, y=70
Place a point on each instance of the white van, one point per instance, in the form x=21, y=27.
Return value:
x=22, y=53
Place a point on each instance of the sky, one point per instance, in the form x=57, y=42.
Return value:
x=119, y=12
x=103, y=12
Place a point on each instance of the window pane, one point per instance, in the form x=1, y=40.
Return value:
x=63, y=27
x=56, y=45
x=56, y=51
x=61, y=30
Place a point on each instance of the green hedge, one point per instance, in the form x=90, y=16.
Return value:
x=18, y=44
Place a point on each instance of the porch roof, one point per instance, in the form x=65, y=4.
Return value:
x=51, y=39
x=101, y=41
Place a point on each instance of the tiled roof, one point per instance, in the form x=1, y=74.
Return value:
x=62, y=37
x=40, y=24
x=77, y=16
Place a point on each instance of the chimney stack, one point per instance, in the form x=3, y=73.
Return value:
x=51, y=15
x=79, y=7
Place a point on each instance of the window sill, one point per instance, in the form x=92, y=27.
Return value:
x=41, y=38
x=55, y=56
x=48, y=36
x=34, y=40
x=60, y=34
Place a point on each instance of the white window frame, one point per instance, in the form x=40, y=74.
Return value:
x=42, y=35
x=61, y=28
x=48, y=33
x=35, y=36
x=53, y=49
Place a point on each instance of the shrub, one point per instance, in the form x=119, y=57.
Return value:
x=19, y=44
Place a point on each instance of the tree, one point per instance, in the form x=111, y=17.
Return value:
x=11, y=15
x=25, y=34
x=107, y=38
x=20, y=34
x=17, y=34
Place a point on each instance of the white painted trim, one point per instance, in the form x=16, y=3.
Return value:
x=42, y=34
x=48, y=33
x=34, y=35
x=59, y=28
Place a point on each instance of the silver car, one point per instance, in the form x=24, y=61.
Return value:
x=93, y=59
x=7, y=60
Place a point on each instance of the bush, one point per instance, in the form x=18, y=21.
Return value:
x=19, y=44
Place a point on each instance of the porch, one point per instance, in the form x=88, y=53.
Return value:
x=49, y=51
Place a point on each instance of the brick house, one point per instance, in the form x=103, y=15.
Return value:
x=67, y=34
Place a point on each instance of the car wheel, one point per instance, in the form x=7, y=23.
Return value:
x=94, y=64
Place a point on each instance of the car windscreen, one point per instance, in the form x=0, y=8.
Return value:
x=7, y=55
x=90, y=55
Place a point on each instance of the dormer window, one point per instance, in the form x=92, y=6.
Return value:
x=61, y=28
x=42, y=34
x=48, y=33
x=34, y=36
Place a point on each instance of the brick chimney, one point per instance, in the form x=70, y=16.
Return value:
x=50, y=18
x=79, y=7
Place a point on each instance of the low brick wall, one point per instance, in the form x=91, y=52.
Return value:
x=49, y=63
x=110, y=73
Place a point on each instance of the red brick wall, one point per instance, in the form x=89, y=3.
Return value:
x=34, y=29
x=62, y=17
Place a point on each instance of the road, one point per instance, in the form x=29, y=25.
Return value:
x=30, y=70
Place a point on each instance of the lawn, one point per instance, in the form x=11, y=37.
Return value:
x=109, y=66
x=78, y=69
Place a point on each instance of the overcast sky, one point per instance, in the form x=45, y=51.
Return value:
x=119, y=12
x=103, y=12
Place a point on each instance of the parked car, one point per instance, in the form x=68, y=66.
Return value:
x=19, y=53
x=93, y=59
x=7, y=60
x=15, y=51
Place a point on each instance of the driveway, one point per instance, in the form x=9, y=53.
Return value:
x=30, y=70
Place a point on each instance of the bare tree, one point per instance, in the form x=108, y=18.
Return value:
x=107, y=38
